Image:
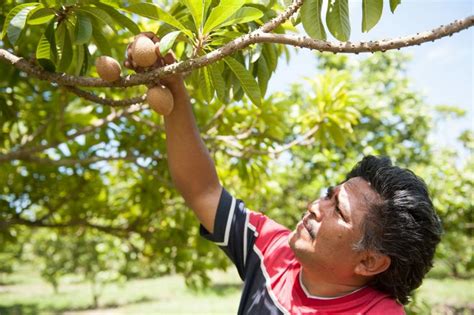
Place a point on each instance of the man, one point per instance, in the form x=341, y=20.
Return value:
x=361, y=249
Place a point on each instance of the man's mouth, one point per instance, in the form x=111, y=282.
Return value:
x=308, y=226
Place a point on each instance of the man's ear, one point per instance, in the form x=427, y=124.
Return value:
x=372, y=263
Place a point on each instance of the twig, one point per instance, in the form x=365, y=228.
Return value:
x=214, y=118
x=282, y=17
x=233, y=141
x=106, y=101
x=147, y=122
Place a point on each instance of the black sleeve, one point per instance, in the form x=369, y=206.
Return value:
x=230, y=230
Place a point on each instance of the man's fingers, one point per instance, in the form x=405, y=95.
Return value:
x=155, y=39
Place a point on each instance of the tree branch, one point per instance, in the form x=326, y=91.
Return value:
x=372, y=46
x=106, y=101
x=25, y=152
x=72, y=162
x=147, y=122
x=233, y=141
x=258, y=36
x=207, y=128
x=78, y=222
x=282, y=17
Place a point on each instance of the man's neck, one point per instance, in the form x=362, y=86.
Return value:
x=318, y=287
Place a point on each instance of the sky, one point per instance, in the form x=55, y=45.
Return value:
x=442, y=71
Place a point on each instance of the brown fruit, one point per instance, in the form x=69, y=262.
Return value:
x=160, y=99
x=108, y=68
x=143, y=52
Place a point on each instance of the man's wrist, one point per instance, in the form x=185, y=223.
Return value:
x=178, y=89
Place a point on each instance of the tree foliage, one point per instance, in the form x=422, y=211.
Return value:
x=85, y=188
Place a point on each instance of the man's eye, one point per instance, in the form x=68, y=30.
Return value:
x=329, y=192
x=339, y=212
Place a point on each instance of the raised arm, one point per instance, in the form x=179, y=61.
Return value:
x=191, y=166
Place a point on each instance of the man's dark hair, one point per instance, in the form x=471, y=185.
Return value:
x=402, y=225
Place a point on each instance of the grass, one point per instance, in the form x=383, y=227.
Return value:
x=447, y=291
x=27, y=294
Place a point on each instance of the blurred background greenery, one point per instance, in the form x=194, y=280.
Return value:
x=89, y=219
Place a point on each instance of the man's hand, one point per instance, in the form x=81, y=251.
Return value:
x=174, y=81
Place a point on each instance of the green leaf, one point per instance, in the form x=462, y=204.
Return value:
x=101, y=42
x=85, y=64
x=247, y=81
x=263, y=75
x=41, y=16
x=371, y=13
x=311, y=19
x=121, y=19
x=83, y=30
x=110, y=3
x=152, y=11
x=167, y=42
x=196, y=7
x=394, y=4
x=206, y=85
x=100, y=15
x=66, y=48
x=271, y=56
x=336, y=134
x=337, y=19
x=219, y=14
x=79, y=57
x=16, y=20
x=243, y=15
x=46, y=53
x=217, y=80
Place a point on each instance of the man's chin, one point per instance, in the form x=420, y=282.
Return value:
x=295, y=241
x=292, y=238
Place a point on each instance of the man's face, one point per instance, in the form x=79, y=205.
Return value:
x=323, y=239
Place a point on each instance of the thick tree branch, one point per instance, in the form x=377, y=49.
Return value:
x=372, y=46
x=141, y=78
x=258, y=36
x=25, y=152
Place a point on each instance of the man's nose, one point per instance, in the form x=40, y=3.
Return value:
x=314, y=208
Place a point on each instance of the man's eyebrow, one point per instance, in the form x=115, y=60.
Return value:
x=343, y=209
